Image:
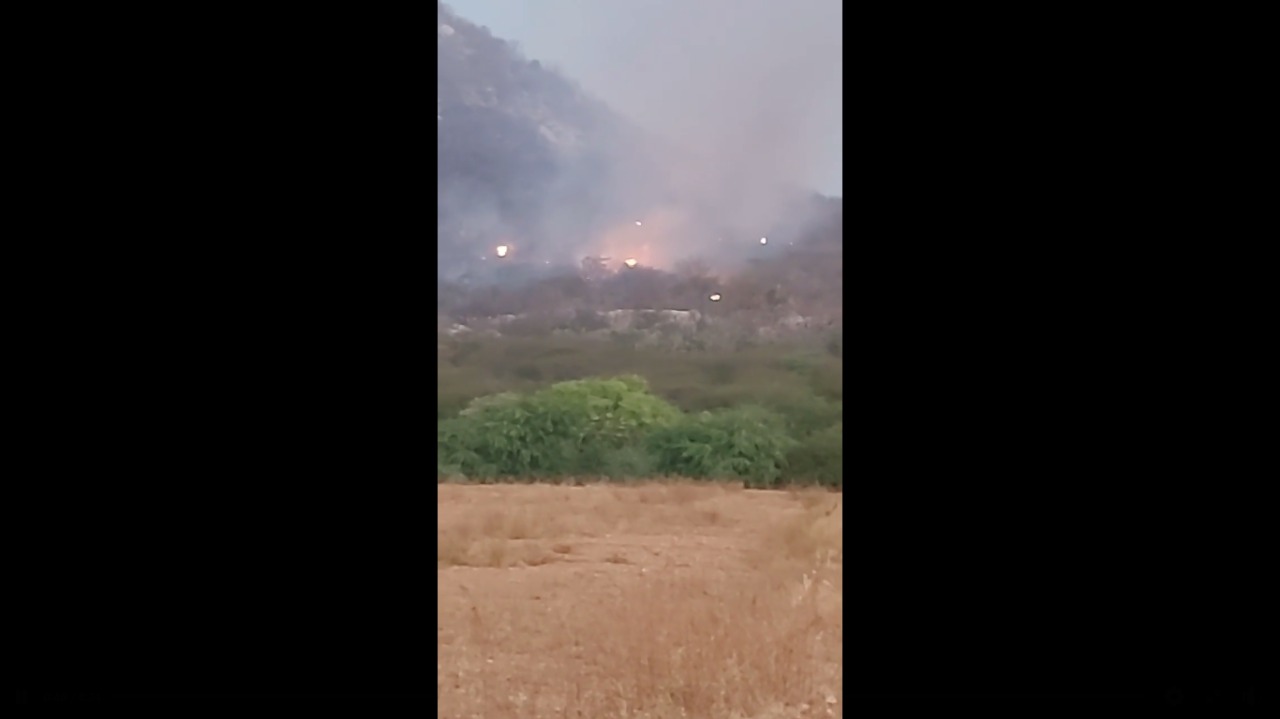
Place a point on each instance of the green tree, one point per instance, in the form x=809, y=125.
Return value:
x=567, y=428
x=747, y=442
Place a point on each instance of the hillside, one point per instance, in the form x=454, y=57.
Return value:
x=530, y=162
x=515, y=139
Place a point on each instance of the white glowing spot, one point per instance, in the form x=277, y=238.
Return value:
x=502, y=250
x=546, y=262
x=638, y=223
x=764, y=240
x=446, y=31
x=715, y=297
x=630, y=262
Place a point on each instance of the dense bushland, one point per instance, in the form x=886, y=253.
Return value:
x=556, y=407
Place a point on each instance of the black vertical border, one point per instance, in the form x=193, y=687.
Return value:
x=1050, y=298
x=232, y=281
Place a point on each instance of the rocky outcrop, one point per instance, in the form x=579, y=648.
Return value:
x=667, y=326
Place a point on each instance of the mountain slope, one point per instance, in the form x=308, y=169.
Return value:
x=515, y=140
x=529, y=160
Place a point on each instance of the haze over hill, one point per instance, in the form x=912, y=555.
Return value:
x=532, y=162
x=686, y=70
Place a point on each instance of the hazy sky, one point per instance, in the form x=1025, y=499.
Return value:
x=727, y=76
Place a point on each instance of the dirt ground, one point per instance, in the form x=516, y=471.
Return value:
x=657, y=600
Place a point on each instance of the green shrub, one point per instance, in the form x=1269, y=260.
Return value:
x=568, y=428
x=456, y=454
x=746, y=442
x=615, y=411
x=818, y=458
x=630, y=462
x=805, y=413
x=529, y=407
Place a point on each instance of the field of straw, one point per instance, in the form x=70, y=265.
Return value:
x=654, y=600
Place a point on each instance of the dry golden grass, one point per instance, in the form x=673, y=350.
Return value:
x=653, y=600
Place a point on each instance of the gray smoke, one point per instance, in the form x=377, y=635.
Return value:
x=731, y=116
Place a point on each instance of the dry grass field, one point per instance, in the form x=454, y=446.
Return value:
x=654, y=600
